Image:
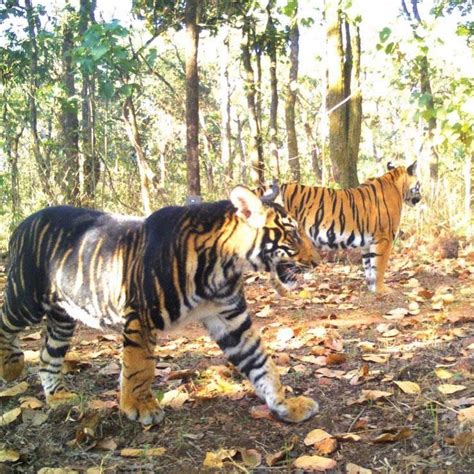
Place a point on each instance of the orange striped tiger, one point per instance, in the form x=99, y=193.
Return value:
x=146, y=275
x=367, y=216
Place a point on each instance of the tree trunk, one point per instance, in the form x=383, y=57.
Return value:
x=243, y=156
x=44, y=168
x=315, y=155
x=226, y=137
x=69, y=174
x=146, y=174
x=90, y=162
x=273, y=122
x=192, y=98
x=257, y=174
x=344, y=114
x=291, y=94
x=354, y=105
x=12, y=153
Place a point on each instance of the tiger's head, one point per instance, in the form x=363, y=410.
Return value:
x=412, y=194
x=278, y=246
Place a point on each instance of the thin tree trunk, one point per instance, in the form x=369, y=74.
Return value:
x=90, y=162
x=273, y=122
x=13, y=158
x=44, y=168
x=192, y=98
x=257, y=175
x=315, y=155
x=146, y=174
x=226, y=149
x=69, y=122
x=354, y=105
x=243, y=156
x=291, y=95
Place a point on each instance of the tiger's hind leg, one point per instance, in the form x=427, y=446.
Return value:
x=235, y=336
x=60, y=329
x=375, y=260
x=12, y=359
x=138, y=370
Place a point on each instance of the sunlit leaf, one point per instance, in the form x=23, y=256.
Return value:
x=215, y=460
x=443, y=374
x=355, y=469
x=314, y=463
x=137, y=452
x=448, y=389
x=315, y=436
x=9, y=455
x=404, y=433
x=411, y=388
x=10, y=416
x=15, y=390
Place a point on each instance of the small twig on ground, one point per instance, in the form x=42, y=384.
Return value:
x=354, y=421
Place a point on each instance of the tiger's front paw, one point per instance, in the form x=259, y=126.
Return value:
x=296, y=410
x=148, y=412
x=11, y=365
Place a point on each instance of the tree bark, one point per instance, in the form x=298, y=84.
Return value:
x=315, y=155
x=257, y=174
x=90, y=162
x=192, y=98
x=291, y=94
x=146, y=174
x=69, y=122
x=354, y=105
x=345, y=112
x=226, y=149
x=44, y=168
x=273, y=122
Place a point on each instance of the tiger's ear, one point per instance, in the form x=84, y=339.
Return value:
x=411, y=170
x=390, y=166
x=249, y=207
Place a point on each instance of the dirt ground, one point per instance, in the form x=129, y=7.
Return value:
x=331, y=340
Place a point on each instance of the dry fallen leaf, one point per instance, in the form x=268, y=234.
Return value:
x=106, y=444
x=466, y=415
x=355, y=469
x=448, y=389
x=411, y=388
x=57, y=470
x=395, y=314
x=369, y=395
x=326, y=446
x=274, y=458
x=10, y=416
x=15, y=390
x=347, y=437
x=331, y=374
x=377, y=358
x=31, y=403
x=335, y=359
x=315, y=436
x=136, y=452
x=214, y=460
x=314, y=463
x=404, y=433
x=443, y=374
x=174, y=399
x=250, y=457
x=9, y=455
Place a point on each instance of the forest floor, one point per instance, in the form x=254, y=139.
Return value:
x=393, y=376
